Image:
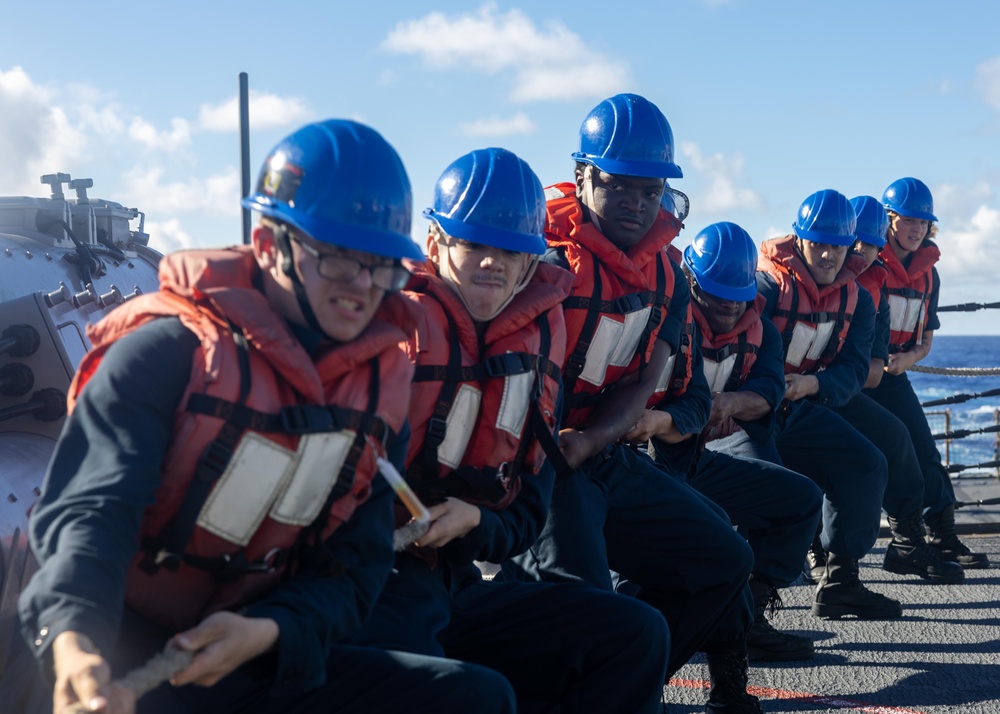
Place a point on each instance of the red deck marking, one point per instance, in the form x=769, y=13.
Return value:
x=835, y=702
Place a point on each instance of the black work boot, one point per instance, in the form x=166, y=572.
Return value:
x=909, y=554
x=727, y=671
x=764, y=642
x=841, y=593
x=942, y=538
x=815, y=565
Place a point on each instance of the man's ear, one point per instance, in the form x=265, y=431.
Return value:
x=433, y=248
x=265, y=248
x=579, y=175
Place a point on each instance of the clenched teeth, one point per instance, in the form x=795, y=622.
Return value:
x=348, y=303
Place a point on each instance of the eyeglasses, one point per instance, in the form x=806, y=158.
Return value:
x=341, y=268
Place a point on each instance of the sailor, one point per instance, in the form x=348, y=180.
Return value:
x=612, y=508
x=907, y=552
x=912, y=287
x=826, y=322
x=871, y=279
x=778, y=509
x=217, y=475
x=484, y=408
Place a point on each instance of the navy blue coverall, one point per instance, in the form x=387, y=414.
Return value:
x=904, y=490
x=895, y=393
x=777, y=509
x=91, y=507
x=620, y=512
x=813, y=440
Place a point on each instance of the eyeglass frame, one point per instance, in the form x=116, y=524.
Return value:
x=399, y=271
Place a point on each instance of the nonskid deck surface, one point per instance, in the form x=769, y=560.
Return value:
x=942, y=656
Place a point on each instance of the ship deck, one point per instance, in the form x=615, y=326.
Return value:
x=942, y=656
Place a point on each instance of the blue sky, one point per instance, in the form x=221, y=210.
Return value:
x=768, y=101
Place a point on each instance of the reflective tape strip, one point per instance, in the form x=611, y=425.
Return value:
x=460, y=423
x=614, y=344
x=718, y=373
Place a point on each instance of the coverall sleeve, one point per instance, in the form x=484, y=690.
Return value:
x=767, y=374
x=933, y=322
x=767, y=287
x=880, y=342
x=104, y=472
x=766, y=378
x=670, y=327
x=690, y=410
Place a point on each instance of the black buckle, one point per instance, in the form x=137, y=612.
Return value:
x=272, y=560
x=233, y=567
x=576, y=363
x=168, y=560
x=628, y=303
x=306, y=419
x=506, y=364
x=436, y=430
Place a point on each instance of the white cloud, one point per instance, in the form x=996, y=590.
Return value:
x=520, y=123
x=724, y=174
x=966, y=249
x=216, y=195
x=987, y=82
x=35, y=137
x=266, y=110
x=104, y=121
x=145, y=133
x=168, y=236
x=545, y=63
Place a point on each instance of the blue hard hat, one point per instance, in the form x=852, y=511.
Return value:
x=723, y=260
x=492, y=197
x=341, y=183
x=910, y=197
x=873, y=221
x=628, y=135
x=826, y=217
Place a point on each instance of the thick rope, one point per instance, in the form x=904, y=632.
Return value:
x=160, y=668
x=958, y=371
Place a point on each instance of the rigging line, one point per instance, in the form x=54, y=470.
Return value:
x=954, y=468
x=957, y=371
x=962, y=433
x=959, y=398
x=969, y=307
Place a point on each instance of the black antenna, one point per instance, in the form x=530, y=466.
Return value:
x=245, y=152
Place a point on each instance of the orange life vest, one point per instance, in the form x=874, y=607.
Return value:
x=618, y=302
x=729, y=357
x=909, y=288
x=873, y=279
x=271, y=451
x=813, y=319
x=475, y=403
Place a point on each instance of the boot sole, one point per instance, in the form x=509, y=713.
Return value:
x=898, y=568
x=836, y=612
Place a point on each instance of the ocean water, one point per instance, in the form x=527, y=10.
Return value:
x=963, y=351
